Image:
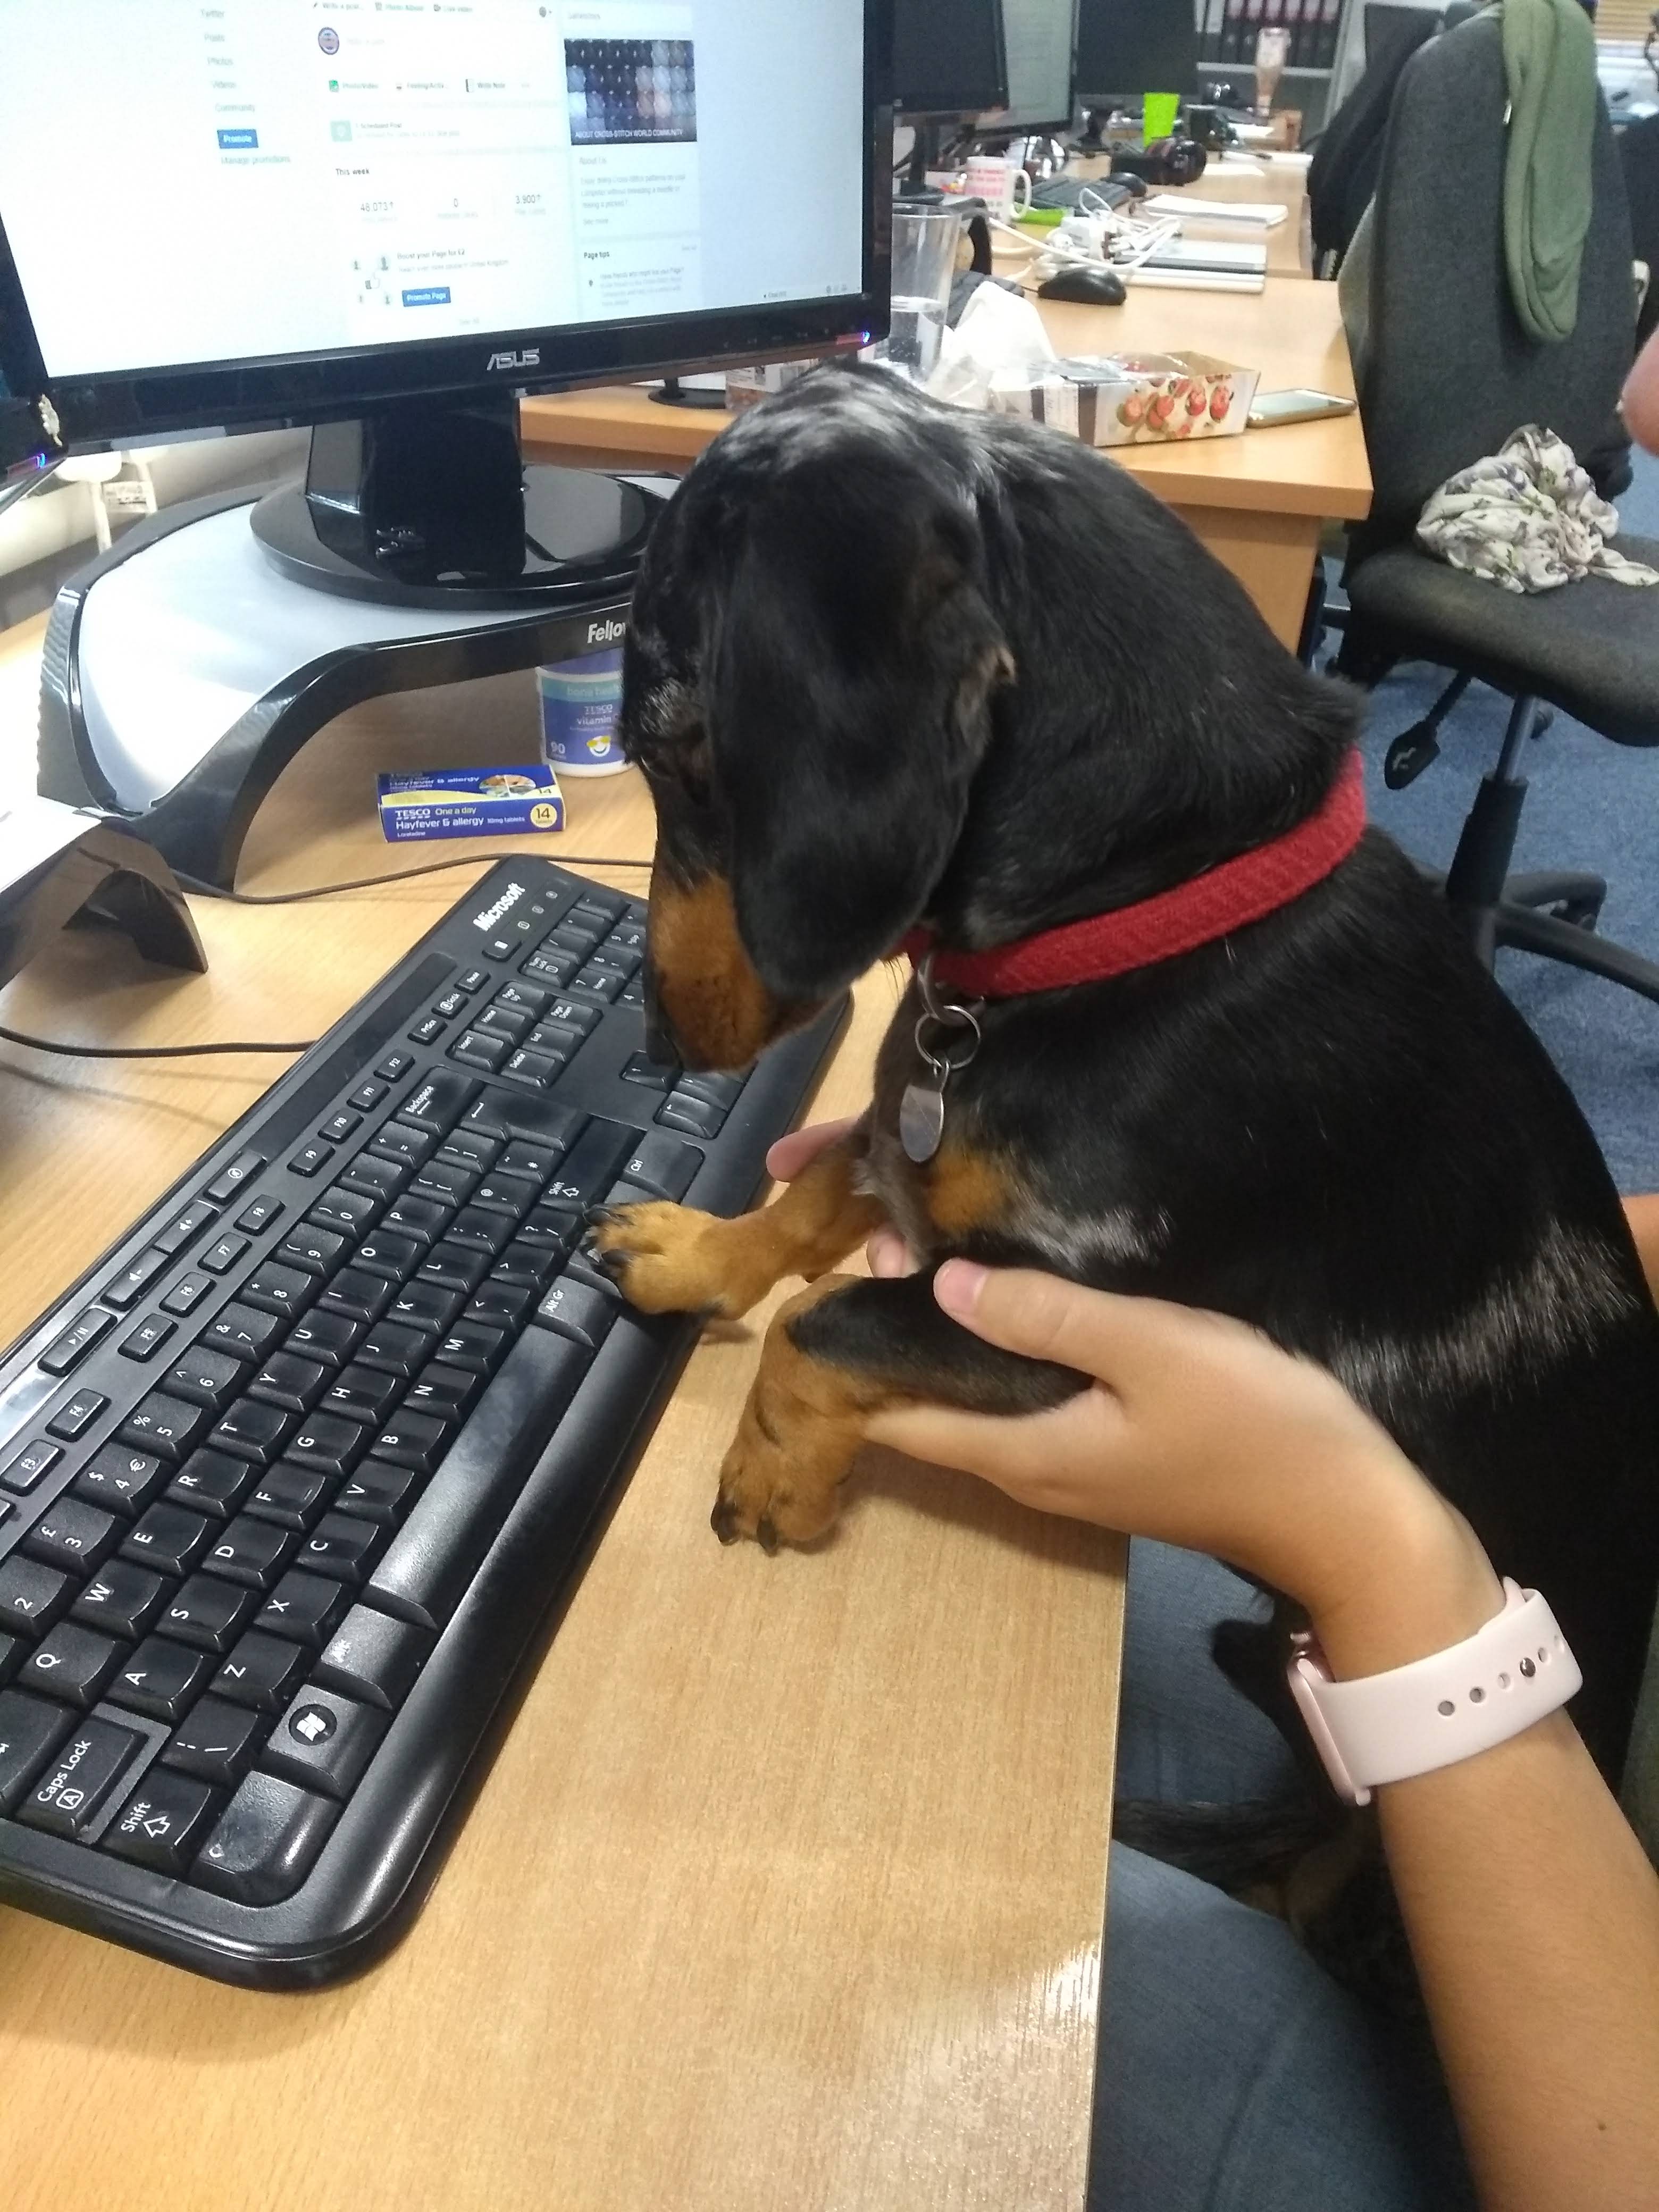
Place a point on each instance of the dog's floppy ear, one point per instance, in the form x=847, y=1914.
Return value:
x=848, y=699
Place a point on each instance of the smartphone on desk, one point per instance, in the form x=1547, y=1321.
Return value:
x=1271, y=407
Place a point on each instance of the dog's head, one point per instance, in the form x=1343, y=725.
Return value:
x=808, y=688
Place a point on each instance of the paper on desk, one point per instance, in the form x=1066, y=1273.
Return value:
x=1262, y=215
x=1196, y=280
x=998, y=331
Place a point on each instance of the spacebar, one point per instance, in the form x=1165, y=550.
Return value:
x=435, y=1555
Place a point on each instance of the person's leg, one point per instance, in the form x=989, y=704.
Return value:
x=1234, y=2076
x=1185, y=1735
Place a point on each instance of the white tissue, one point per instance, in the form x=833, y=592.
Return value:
x=998, y=331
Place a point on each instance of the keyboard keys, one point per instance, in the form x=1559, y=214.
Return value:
x=534, y=1162
x=214, y=1742
x=407, y=1146
x=373, y=1657
x=538, y=1068
x=78, y=1413
x=338, y=1126
x=241, y=1169
x=434, y=1555
x=134, y=1278
x=311, y=1159
x=551, y=967
x=312, y=1250
x=30, y=1731
x=144, y=1341
x=722, y=1091
x=77, y=1340
x=654, y=1074
x=694, y=1116
x=223, y=1253
x=662, y=1165
x=511, y=1114
x=478, y=1048
x=290, y=1496
x=243, y=1332
x=252, y=1551
x=28, y=1463
x=512, y=1195
x=289, y=1382
x=266, y=1841
x=168, y=1539
x=388, y=1254
x=187, y=1293
x=205, y=1376
x=584, y=1315
x=325, y=1338
x=324, y=1441
x=358, y=1295
x=393, y=1349
x=367, y=1095
x=395, y=1064
x=499, y=1305
x=121, y=1600
x=279, y=1290
x=325, y=1740
x=169, y=1427
x=341, y=1545
x=208, y=1613
x=438, y=1102
x=426, y=1306
x=479, y=1230
x=471, y=1346
x=428, y=1029
x=451, y=1267
x=589, y=1168
x=525, y=1267
x=305, y=1607
x=164, y=1823
x=71, y=1662
x=347, y=1212
x=125, y=1481
x=79, y=1776
x=551, y=1228
x=413, y=1440
x=259, y=1212
x=504, y=1021
x=469, y=1149
x=159, y=1679
x=378, y=1492
x=444, y=1392
x=372, y=1178
x=446, y=1182
x=263, y=1671
x=76, y=1538
x=420, y=1220
x=213, y=1482
x=253, y=1429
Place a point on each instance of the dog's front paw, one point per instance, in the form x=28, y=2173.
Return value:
x=797, y=1437
x=668, y=1259
x=772, y=1493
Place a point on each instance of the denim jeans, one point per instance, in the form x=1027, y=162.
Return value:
x=1233, y=2074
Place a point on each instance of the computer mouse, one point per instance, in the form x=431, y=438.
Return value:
x=1092, y=283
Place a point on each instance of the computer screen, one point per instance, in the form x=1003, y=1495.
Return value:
x=948, y=57
x=1134, y=47
x=306, y=200
x=1038, y=35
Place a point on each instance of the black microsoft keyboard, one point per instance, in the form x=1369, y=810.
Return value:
x=289, y=1479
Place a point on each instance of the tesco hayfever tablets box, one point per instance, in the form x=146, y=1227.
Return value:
x=470, y=802
x=580, y=701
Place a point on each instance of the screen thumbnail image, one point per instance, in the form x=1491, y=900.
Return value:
x=626, y=91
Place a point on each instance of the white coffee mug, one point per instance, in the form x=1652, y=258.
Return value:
x=1003, y=186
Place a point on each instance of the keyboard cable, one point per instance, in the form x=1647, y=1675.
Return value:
x=206, y=890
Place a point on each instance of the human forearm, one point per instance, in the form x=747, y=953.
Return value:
x=1534, y=1918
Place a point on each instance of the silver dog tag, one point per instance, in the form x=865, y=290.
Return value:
x=921, y=1120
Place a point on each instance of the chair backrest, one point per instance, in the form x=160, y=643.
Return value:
x=1639, y=158
x=1348, y=157
x=1450, y=374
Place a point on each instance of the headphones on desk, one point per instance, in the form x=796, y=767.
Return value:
x=1166, y=161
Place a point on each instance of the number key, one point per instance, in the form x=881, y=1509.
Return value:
x=73, y=1536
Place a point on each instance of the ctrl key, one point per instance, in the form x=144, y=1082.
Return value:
x=266, y=1843
x=79, y=1777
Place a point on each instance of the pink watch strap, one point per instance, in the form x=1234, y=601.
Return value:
x=1385, y=1728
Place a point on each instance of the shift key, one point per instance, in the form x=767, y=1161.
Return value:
x=435, y=1555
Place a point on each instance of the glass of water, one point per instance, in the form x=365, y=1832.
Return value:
x=925, y=239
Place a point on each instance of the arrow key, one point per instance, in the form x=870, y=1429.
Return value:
x=165, y=1822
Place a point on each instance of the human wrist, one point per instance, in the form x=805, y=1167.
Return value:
x=1415, y=1582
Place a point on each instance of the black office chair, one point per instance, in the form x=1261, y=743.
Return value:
x=1451, y=375
x=1639, y=157
x=1347, y=157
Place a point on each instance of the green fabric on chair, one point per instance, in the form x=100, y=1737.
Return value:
x=1549, y=62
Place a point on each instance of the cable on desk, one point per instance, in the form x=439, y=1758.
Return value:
x=146, y=1051
x=205, y=890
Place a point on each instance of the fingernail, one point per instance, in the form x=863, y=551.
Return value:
x=958, y=1283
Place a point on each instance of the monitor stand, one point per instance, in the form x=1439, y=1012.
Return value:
x=187, y=666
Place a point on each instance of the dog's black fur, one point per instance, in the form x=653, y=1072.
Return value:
x=894, y=663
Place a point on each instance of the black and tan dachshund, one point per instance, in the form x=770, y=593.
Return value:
x=897, y=666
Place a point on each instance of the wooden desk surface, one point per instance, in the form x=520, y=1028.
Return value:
x=1291, y=330
x=784, y=1893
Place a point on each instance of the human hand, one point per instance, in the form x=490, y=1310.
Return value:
x=1198, y=1431
x=886, y=1251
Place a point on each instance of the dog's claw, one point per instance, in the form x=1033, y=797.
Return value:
x=766, y=1535
x=724, y=1521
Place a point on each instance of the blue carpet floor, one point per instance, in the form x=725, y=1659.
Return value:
x=1591, y=805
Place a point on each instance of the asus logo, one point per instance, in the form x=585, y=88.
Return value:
x=606, y=633
x=526, y=357
x=492, y=914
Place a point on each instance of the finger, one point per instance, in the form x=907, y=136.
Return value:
x=786, y=1160
x=889, y=1255
x=1106, y=1335
x=1021, y=1453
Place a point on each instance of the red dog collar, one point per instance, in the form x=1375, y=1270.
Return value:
x=1223, y=899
